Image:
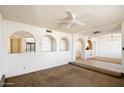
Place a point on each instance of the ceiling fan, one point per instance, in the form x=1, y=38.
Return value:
x=71, y=20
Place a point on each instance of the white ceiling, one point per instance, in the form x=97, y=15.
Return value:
x=103, y=18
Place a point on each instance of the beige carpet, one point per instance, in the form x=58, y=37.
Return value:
x=65, y=76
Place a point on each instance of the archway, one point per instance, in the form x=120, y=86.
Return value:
x=89, y=45
x=80, y=49
x=48, y=43
x=89, y=49
x=22, y=42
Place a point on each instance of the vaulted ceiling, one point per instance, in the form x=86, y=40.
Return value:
x=96, y=18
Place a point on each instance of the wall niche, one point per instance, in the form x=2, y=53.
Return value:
x=64, y=44
x=48, y=43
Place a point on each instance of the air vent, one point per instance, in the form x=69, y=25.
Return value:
x=49, y=31
x=96, y=32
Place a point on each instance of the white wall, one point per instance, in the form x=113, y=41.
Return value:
x=122, y=29
x=107, y=48
x=1, y=60
x=16, y=64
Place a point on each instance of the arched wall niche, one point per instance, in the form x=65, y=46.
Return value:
x=22, y=42
x=80, y=48
x=64, y=44
x=48, y=43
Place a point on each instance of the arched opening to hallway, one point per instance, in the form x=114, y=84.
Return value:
x=80, y=50
x=22, y=42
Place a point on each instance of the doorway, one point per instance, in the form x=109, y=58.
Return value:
x=80, y=50
x=15, y=45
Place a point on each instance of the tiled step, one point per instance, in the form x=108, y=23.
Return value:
x=101, y=70
x=106, y=59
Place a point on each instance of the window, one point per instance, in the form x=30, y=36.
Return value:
x=30, y=47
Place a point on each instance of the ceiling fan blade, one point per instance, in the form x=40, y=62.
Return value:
x=70, y=24
x=79, y=23
x=63, y=22
x=70, y=15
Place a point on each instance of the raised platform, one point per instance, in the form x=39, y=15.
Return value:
x=106, y=59
x=101, y=70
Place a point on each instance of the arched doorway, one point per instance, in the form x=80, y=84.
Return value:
x=89, y=45
x=89, y=49
x=80, y=49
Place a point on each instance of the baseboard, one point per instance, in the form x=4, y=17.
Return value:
x=71, y=62
x=2, y=81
